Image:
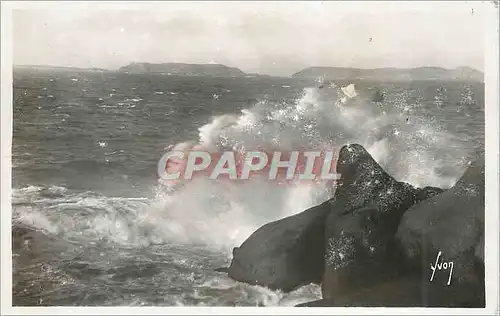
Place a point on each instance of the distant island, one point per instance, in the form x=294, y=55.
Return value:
x=59, y=68
x=181, y=69
x=392, y=74
x=327, y=73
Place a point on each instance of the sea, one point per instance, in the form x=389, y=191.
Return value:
x=107, y=232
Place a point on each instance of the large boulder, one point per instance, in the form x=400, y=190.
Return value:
x=361, y=249
x=357, y=228
x=445, y=229
x=284, y=254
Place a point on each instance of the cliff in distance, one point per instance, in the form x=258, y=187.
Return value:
x=392, y=74
x=182, y=69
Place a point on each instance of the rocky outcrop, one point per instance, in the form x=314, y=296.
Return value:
x=374, y=243
x=181, y=69
x=450, y=225
x=447, y=231
x=360, y=232
x=290, y=252
x=284, y=254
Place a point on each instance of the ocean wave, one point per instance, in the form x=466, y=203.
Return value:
x=222, y=215
x=58, y=210
x=182, y=225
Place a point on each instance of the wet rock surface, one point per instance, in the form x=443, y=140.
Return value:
x=377, y=242
x=284, y=254
x=360, y=231
x=447, y=231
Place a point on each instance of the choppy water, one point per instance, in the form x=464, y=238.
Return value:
x=85, y=154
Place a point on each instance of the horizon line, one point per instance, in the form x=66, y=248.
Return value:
x=187, y=63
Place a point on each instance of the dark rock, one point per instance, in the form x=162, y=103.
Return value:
x=479, y=253
x=361, y=250
x=284, y=254
x=451, y=223
x=479, y=259
x=359, y=237
x=403, y=291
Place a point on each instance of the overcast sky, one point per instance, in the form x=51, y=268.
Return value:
x=276, y=38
